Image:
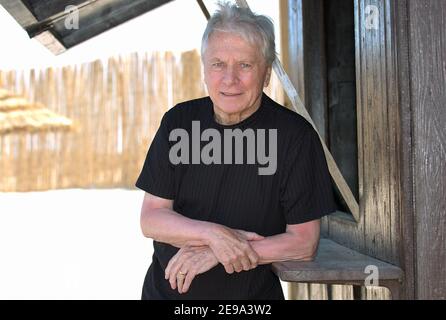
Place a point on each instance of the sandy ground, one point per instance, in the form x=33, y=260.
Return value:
x=72, y=244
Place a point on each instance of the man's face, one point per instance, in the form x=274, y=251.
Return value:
x=235, y=73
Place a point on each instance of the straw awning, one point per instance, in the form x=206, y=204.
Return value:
x=17, y=114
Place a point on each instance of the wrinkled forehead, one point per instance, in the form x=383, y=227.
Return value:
x=228, y=43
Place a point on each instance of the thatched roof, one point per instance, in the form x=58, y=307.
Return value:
x=17, y=114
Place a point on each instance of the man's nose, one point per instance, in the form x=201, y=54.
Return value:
x=230, y=76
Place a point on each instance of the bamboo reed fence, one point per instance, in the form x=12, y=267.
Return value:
x=116, y=105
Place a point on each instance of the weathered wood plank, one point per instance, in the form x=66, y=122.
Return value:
x=293, y=57
x=375, y=128
x=334, y=262
x=406, y=245
x=381, y=152
x=428, y=84
x=394, y=136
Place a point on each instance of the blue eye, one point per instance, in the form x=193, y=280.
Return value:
x=245, y=65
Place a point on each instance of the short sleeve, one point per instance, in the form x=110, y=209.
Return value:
x=306, y=189
x=157, y=176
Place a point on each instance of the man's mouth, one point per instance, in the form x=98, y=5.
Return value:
x=229, y=94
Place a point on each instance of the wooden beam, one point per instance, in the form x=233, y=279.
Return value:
x=19, y=12
x=427, y=74
x=25, y=18
x=204, y=9
x=95, y=17
x=39, y=27
x=407, y=242
x=47, y=39
x=293, y=60
x=102, y=16
x=298, y=107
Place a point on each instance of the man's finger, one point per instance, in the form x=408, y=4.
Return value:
x=181, y=278
x=181, y=267
x=253, y=258
x=246, y=264
x=174, y=269
x=229, y=268
x=173, y=281
x=169, y=265
x=188, y=280
x=250, y=236
x=237, y=266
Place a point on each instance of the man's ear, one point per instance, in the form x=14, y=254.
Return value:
x=267, y=77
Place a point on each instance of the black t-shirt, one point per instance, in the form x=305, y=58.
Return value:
x=236, y=195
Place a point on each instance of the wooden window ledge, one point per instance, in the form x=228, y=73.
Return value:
x=336, y=264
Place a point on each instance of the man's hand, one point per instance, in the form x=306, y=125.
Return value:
x=186, y=264
x=232, y=249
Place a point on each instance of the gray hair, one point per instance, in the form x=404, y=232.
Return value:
x=254, y=28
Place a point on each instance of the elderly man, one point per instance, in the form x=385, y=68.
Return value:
x=217, y=226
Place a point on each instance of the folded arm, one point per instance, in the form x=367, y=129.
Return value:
x=161, y=223
x=231, y=247
x=236, y=250
x=298, y=242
